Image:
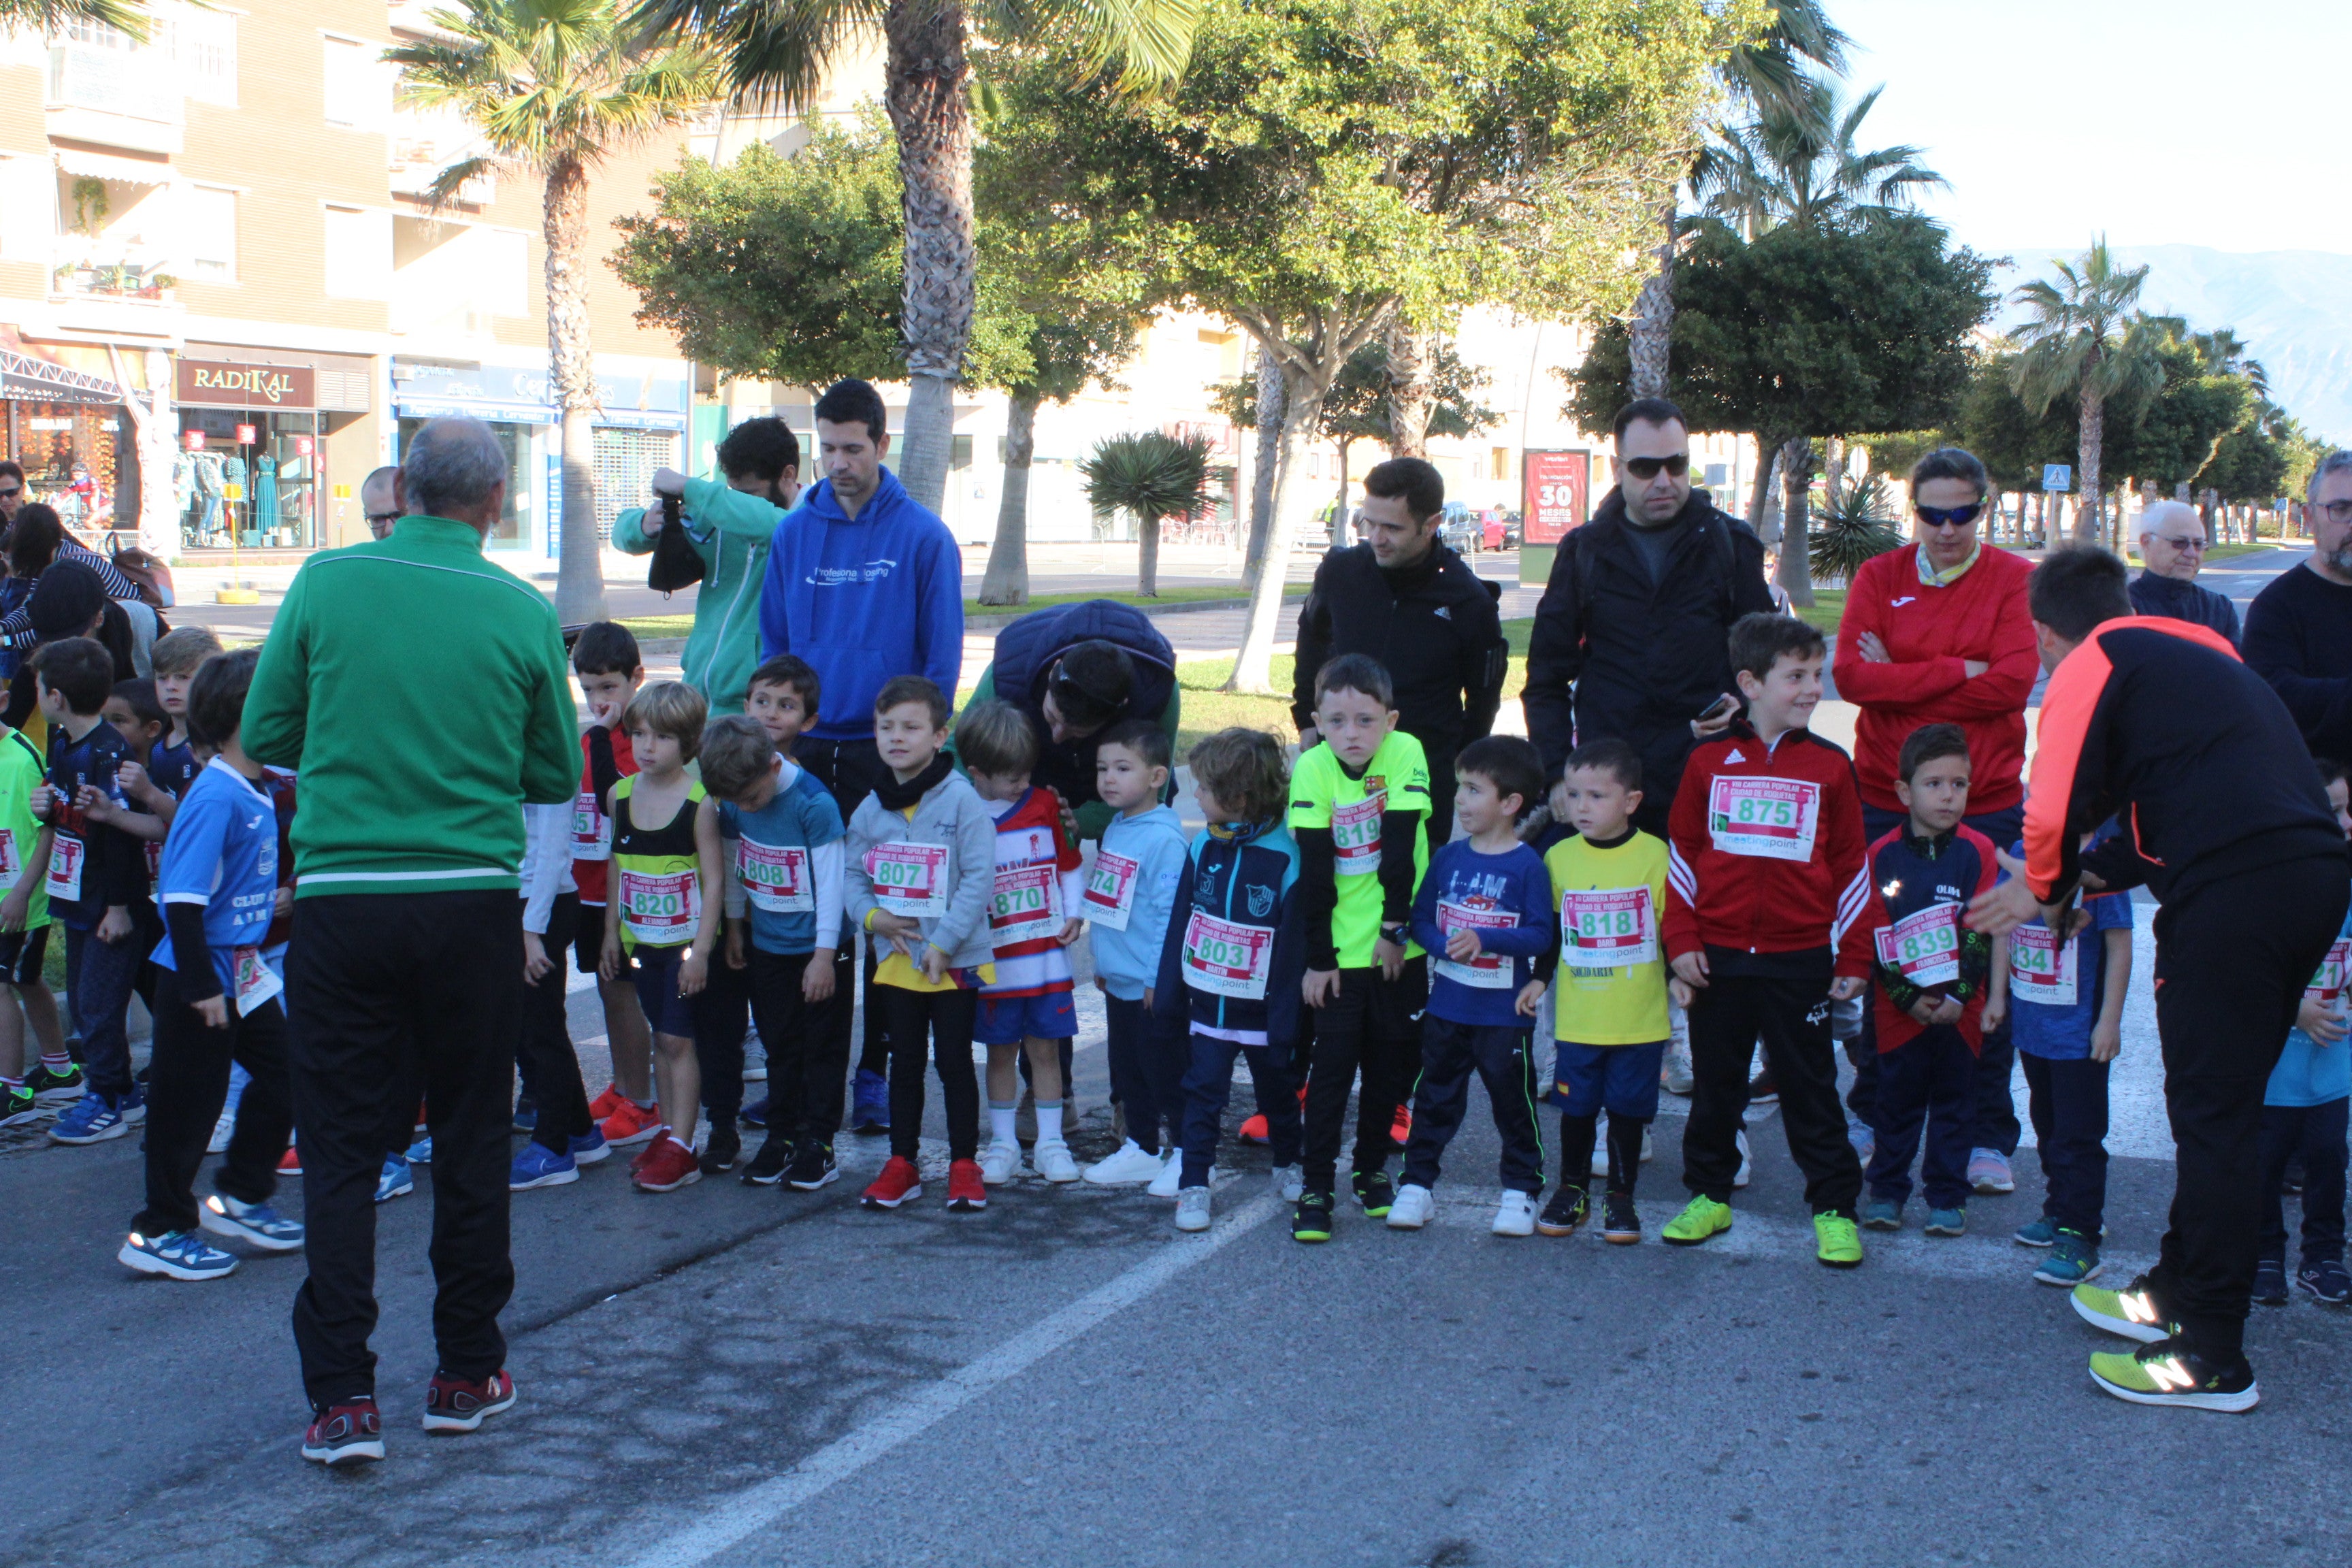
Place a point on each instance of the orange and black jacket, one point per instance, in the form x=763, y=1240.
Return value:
x=2156, y=721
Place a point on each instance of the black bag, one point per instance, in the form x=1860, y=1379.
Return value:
x=677, y=564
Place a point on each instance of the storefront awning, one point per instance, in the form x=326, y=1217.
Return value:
x=39, y=381
x=107, y=166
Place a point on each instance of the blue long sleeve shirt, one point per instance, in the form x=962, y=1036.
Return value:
x=1128, y=956
x=1508, y=898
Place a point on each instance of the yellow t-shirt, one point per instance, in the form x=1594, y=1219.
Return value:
x=1323, y=796
x=1611, y=903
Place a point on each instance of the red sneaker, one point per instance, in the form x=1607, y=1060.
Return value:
x=606, y=1103
x=966, y=1193
x=454, y=1403
x=291, y=1164
x=667, y=1166
x=899, y=1182
x=1400, y=1130
x=344, y=1433
x=1254, y=1129
x=633, y=1123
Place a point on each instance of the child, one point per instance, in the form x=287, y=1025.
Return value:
x=1932, y=974
x=1129, y=891
x=563, y=1133
x=2303, y=1117
x=1608, y=1011
x=216, y=1002
x=607, y=663
x=2065, y=1003
x=665, y=910
x=782, y=834
x=921, y=859
x=1031, y=920
x=1765, y=894
x=1483, y=914
x=1359, y=809
x=23, y=944
x=1232, y=961
x=96, y=873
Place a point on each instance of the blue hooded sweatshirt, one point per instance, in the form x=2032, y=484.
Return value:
x=864, y=600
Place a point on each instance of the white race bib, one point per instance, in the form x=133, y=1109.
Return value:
x=67, y=853
x=1227, y=959
x=1611, y=927
x=10, y=861
x=1774, y=818
x=1024, y=904
x=909, y=878
x=2041, y=967
x=154, y=862
x=256, y=982
x=1924, y=948
x=1488, y=971
x=775, y=877
x=1356, y=835
x=2328, y=984
x=1109, y=897
x=592, y=830
x=661, y=911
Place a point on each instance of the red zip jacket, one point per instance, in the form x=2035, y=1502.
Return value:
x=1734, y=878
x=1908, y=876
x=1930, y=633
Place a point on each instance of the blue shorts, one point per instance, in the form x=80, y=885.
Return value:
x=1621, y=1079
x=1008, y=1020
x=656, y=978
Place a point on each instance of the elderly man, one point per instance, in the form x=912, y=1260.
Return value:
x=380, y=499
x=422, y=693
x=2299, y=628
x=2171, y=550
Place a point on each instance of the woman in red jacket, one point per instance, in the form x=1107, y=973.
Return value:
x=1937, y=632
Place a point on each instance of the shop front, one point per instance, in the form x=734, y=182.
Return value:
x=252, y=468
x=67, y=429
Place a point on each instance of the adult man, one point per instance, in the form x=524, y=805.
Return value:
x=380, y=499
x=422, y=692
x=2171, y=549
x=729, y=526
x=1630, y=640
x=2299, y=628
x=12, y=492
x=1407, y=600
x=2156, y=720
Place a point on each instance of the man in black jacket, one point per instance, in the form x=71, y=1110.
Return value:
x=1631, y=640
x=2171, y=549
x=2299, y=628
x=1410, y=603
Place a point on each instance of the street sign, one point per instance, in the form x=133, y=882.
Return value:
x=2057, y=477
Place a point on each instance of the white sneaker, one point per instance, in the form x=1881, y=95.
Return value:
x=999, y=1163
x=1649, y=1146
x=1131, y=1163
x=1412, y=1208
x=1193, y=1209
x=1171, y=1174
x=1601, y=1148
x=1515, y=1216
x=755, y=1060
x=1740, y=1180
x=1288, y=1183
x=1676, y=1075
x=222, y=1130
x=1051, y=1159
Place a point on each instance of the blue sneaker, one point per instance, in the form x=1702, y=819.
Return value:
x=538, y=1166
x=396, y=1182
x=96, y=1117
x=1947, y=1222
x=178, y=1255
x=421, y=1151
x=526, y=1115
x=257, y=1225
x=2073, y=1258
x=756, y=1113
x=590, y=1147
x=869, y=1113
x=1882, y=1213
x=2042, y=1232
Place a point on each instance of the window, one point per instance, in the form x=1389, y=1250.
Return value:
x=204, y=48
x=1500, y=457
x=358, y=90
x=208, y=233
x=625, y=461
x=359, y=254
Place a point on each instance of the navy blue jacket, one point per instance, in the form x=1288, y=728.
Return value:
x=1025, y=654
x=1250, y=881
x=2190, y=601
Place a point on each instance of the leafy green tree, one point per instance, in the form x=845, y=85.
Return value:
x=1155, y=476
x=1798, y=162
x=2172, y=436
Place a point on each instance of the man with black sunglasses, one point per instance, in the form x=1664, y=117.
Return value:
x=2171, y=549
x=11, y=494
x=379, y=501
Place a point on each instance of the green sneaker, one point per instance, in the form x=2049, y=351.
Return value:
x=1701, y=1218
x=1838, y=1240
x=1376, y=1193
x=1311, y=1220
x=19, y=1103
x=2168, y=1373
x=2131, y=1312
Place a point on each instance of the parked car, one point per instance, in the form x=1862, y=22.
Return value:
x=1460, y=531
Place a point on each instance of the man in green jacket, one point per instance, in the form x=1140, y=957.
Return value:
x=422, y=694
x=728, y=526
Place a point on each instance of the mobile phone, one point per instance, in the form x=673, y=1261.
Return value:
x=1722, y=707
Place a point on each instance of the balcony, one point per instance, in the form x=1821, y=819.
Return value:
x=127, y=98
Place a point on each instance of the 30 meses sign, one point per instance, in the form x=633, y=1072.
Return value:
x=230, y=385
x=1553, y=489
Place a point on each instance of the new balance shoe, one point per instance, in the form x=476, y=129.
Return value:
x=1882, y=1213
x=669, y=1165
x=539, y=1166
x=1415, y=1206
x=2042, y=1232
x=1516, y=1215
x=1375, y=1192
x=1171, y=1179
x=256, y=1225
x=54, y=1087
x=1702, y=1219
x=756, y=1113
x=721, y=1149
x=454, y=1403
x=2270, y=1282
x=1052, y=1160
x=768, y=1166
x=1311, y=1217
x=604, y=1104
x=898, y=1183
x=344, y=1433
x=2072, y=1260
x=97, y=1117
x=19, y=1104
x=1621, y=1223
x=999, y=1163
x=967, y=1193
x=587, y=1148
x=2133, y=1312
x=1131, y=1163
x=632, y=1124
x=176, y=1255
x=813, y=1167
x=869, y=1110
x=526, y=1115
x=1193, y=1208
x=2326, y=1280
x=1947, y=1222
x=394, y=1180
x=1837, y=1240
x=421, y=1151
x=2169, y=1372
x=1568, y=1209
x=1989, y=1172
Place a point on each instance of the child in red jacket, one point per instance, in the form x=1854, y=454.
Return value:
x=1766, y=887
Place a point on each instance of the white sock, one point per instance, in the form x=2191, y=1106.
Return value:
x=1049, y=1122
x=1000, y=1122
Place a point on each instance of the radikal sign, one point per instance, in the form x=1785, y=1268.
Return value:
x=247, y=385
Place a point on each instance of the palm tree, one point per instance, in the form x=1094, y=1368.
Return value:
x=2085, y=337
x=778, y=53
x=553, y=86
x=2222, y=352
x=1154, y=476
x=1797, y=163
x=47, y=16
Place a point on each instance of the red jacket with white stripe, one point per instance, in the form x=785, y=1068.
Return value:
x=1766, y=852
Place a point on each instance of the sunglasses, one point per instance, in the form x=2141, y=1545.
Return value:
x=1647, y=468
x=12, y=492
x=1949, y=516
x=2192, y=542
x=383, y=517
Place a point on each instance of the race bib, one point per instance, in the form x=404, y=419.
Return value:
x=67, y=853
x=1488, y=971
x=909, y=878
x=256, y=982
x=154, y=861
x=2041, y=967
x=1024, y=904
x=776, y=877
x=1924, y=948
x=1109, y=897
x=661, y=911
x=2328, y=984
x=1356, y=835
x=1607, y=927
x=10, y=861
x=592, y=830
x=1773, y=818
x=1227, y=959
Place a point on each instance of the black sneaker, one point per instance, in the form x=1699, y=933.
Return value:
x=526, y=1114
x=1761, y=1090
x=2270, y=1283
x=813, y=1167
x=1376, y=1193
x=1311, y=1220
x=49, y=1086
x=1568, y=1208
x=1619, y=1224
x=767, y=1166
x=2326, y=1281
x=721, y=1149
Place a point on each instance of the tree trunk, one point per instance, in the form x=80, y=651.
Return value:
x=153, y=449
x=1147, y=555
x=1413, y=360
x=1339, y=536
x=571, y=372
x=1253, y=665
x=925, y=82
x=1653, y=315
x=1796, y=573
x=1760, y=494
x=1835, y=468
x=2087, y=508
x=1267, y=466
x=1006, y=580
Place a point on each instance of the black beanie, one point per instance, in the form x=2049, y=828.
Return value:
x=66, y=600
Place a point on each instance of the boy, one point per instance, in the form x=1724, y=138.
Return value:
x=216, y=1002
x=781, y=837
x=1610, y=1022
x=1932, y=975
x=1130, y=888
x=96, y=873
x=1765, y=894
x=920, y=862
x=23, y=944
x=1232, y=959
x=1359, y=806
x=2065, y=1001
x=564, y=1134
x=664, y=896
x=1483, y=914
x=610, y=672
x=1031, y=920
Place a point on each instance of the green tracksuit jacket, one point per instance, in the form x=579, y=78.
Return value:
x=731, y=531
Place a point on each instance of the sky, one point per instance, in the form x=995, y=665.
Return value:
x=2154, y=122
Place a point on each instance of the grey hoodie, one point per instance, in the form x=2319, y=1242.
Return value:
x=951, y=815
